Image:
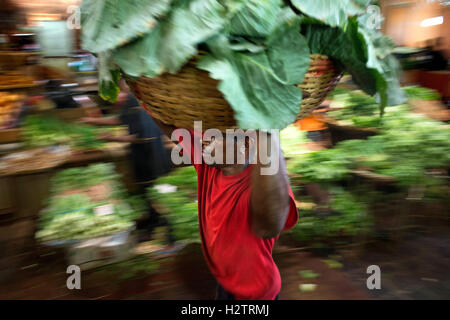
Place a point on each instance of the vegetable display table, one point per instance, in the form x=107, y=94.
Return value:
x=22, y=192
x=33, y=160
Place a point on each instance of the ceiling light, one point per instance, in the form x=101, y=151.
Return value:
x=432, y=21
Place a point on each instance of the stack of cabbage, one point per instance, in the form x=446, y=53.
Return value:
x=258, y=49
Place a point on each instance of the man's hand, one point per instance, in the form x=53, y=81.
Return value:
x=106, y=136
x=87, y=120
x=101, y=121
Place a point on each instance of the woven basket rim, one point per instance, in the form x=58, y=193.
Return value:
x=191, y=94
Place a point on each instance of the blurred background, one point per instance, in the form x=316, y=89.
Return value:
x=74, y=189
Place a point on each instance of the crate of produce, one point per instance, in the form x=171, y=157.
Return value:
x=33, y=160
x=87, y=203
x=97, y=252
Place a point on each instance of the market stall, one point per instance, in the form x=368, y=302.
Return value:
x=366, y=146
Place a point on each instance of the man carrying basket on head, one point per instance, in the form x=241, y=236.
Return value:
x=241, y=214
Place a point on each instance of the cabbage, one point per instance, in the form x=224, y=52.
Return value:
x=257, y=49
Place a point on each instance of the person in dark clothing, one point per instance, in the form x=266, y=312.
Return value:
x=437, y=59
x=148, y=156
x=60, y=95
x=147, y=153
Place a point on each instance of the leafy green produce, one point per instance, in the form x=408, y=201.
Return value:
x=359, y=51
x=71, y=212
x=362, y=109
x=332, y=12
x=256, y=19
x=83, y=177
x=109, y=77
x=82, y=225
x=352, y=220
x=260, y=86
x=47, y=130
x=408, y=146
x=291, y=140
x=355, y=106
x=108, y=24
x=343, y=47
x=322, y=166
x=420, y=93
x=256, y=49
x=181, y=205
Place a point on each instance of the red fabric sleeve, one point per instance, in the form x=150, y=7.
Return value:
x=292, y=218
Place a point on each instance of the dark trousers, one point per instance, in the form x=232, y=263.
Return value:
x=222, y=294
x=153, y=219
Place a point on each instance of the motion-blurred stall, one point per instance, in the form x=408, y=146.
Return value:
x=370, y=189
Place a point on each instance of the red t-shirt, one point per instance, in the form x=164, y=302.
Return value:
x=239, y=260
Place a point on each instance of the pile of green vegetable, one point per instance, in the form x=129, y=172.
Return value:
x=42, y=131
x=71, y=213
x=85, y=177
x=355, y=108
x=292, y=140
x=359, y=109
x=350, y=219
x=258, y=50
x=420, y=93
x=407, y=148
x=180, y=206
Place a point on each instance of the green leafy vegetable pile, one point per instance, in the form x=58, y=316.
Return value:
x=70, y=212
x=291, y=139
x=47, y=130
x=180, y=206
x=408, y=147
x=355, y=108
x=361, y=110
x=419, y=93
x=84, y=177
x=351, y=219
x=258, y=50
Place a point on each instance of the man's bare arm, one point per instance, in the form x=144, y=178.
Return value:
x=131, y=138
x=269, y=199
x=102, y=121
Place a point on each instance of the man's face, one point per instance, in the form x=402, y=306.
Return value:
x=216, y=150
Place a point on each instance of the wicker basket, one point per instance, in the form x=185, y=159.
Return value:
x=191, y=95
